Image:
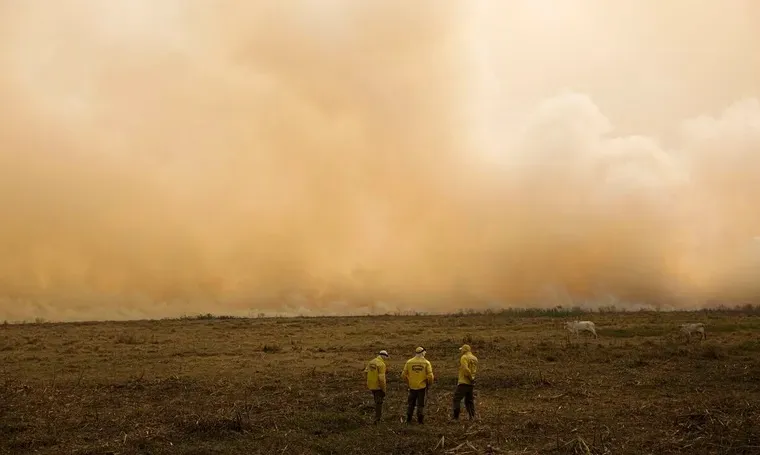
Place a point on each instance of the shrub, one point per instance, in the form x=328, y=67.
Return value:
x=271, y=348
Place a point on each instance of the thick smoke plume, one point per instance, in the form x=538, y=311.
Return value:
x=161, y=157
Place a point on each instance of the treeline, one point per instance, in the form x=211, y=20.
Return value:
x=553, y=312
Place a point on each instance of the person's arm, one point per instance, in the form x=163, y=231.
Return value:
x=430, y=376
x=381, y=377
x=465, y=366
x=405, y=373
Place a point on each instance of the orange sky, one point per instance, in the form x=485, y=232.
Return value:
x=161, y=157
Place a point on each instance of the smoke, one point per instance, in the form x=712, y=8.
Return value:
x=334, y=157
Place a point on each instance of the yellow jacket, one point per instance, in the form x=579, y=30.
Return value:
x=376, y=374
x=418, y=373
x=468, y=366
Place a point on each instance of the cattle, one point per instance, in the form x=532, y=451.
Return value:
x=689, y=329
x=575, y=327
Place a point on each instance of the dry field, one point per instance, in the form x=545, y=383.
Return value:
x=290, y=386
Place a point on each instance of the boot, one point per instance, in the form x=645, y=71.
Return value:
x=378, y=413
x=408, y=418
x=471, y=410
x=420, y=418
x=456, y=414
x=410, y=411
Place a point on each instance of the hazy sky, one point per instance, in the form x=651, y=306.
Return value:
x=161, y=157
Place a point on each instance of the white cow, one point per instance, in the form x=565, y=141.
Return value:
x=689, y=329
x=581, y=326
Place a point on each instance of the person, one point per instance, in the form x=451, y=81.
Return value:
x=376, y=381
x=468, y=366
x=418, y=374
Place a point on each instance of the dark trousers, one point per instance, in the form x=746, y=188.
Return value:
x=379, y=396
x=464, y=391
x=416, y=398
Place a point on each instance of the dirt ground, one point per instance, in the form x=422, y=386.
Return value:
x=211, y=385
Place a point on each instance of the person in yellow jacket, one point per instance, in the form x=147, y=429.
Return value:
x=418, y=374
x=376, y=381
x=468, y=366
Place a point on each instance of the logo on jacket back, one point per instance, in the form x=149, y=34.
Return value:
x=418, y=368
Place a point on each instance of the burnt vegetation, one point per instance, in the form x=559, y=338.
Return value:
x=211, y=384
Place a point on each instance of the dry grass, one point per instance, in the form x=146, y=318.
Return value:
x=286, y=386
